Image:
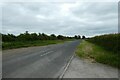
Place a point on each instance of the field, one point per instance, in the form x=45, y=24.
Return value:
x=103, y=49
x=11, y=45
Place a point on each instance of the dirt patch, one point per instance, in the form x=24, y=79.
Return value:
x=87, y=51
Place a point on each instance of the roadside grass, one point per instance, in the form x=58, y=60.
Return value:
x=20, y=44
x=95, y=53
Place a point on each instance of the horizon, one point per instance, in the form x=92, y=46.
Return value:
x=59, y=34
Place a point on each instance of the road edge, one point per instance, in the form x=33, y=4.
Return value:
x=66, y=67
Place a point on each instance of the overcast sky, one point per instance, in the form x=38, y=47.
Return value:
x=83, y=18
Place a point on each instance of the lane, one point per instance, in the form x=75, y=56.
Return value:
x=37, y=62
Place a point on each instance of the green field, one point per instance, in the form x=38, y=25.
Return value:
x=19, y=44
x=95, y=53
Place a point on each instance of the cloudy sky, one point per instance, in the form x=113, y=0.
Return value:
x=65, y=18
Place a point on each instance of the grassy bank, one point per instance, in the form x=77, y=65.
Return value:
x=11, y=45
x=96, y=53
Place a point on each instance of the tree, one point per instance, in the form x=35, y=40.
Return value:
x=8, y=37
x=45, y=37
x=40, y=37
x=75, y=37
x=60, y=37
x=83, y=37
x=26, y=36
x=26, y=32
x=34, y=36
x=79, y=37
x=53, y=37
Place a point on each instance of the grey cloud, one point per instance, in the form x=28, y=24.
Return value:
x=97, y=11
x=82, y=18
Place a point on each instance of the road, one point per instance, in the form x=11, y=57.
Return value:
x=37, y=62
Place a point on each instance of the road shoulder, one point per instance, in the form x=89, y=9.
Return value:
x=80, y=68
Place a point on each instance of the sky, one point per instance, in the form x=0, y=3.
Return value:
x=64, y=18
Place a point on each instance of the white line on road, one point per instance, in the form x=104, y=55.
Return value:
x=66, y=67
x=46, y=53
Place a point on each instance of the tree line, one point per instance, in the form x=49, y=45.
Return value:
x=34, y=36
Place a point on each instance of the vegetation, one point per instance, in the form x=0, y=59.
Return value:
x=103, y=49
x=109, y=42
x=32, y=39
x=96, y=53
x=34, y=36
x=16, y=44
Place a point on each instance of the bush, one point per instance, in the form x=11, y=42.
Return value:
x=109, y=42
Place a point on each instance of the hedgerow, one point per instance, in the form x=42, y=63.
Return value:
x=109, y=42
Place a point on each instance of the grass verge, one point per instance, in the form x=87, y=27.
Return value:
x=96, y=53
x=12, y=45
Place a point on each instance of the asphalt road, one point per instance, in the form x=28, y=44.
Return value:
x=37, y=62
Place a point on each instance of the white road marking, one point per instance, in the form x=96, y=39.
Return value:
x=46, y=53
x=66, y=67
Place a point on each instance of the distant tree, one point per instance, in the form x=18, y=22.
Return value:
x=45, y=37
x=34, y=36
x=83, y=37
x=26, y=36
x=8, y=37
x=40, y=37
x=5, y=38
x=79, y=37
x=60, y=37
x=75, y=36
x=69, y=37
x=26, y=32
x=53, y=37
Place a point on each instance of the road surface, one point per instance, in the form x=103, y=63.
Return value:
x=37, y=62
